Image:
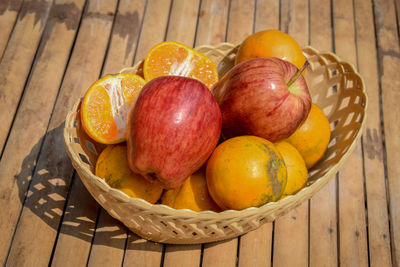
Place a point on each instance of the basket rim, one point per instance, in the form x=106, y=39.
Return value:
x=208, y=214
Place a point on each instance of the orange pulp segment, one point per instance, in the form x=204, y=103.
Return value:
x=172, y=58
x=106, y=105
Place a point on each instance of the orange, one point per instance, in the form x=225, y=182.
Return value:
x=312, y=137
x=106, y=106
x=172, y=58
x=245, y=171
x=112, y=165
x=193, y=194
x=297, y=173
x=271, y=43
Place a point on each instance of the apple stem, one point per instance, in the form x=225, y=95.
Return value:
x=297, y=74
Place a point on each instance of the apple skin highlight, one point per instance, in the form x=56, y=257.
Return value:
x=255, y=100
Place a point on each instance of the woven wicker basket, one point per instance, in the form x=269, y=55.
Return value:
x=335, y=86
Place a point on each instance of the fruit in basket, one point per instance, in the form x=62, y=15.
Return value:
x=312, y=137
x=266, y=97
x=173, y=58
x=173, y=129
x=192, y=194
x=271, y=43
x=297, y=173
x=112, y=166
x=245, y=171
x=106, y=106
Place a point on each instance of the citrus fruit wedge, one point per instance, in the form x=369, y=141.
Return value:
x=172, y=58
x=106, y=105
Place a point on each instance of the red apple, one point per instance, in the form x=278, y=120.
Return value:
x=256, y=98
x=173, y=129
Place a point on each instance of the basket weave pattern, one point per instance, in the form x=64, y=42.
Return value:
x=334, y=85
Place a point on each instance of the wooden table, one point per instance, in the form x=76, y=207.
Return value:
x=51, y=52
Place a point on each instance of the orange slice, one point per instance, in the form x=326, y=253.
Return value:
x=106, y=105
x=172, y=58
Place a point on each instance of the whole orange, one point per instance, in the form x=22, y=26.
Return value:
x=297, y=173
x=112, y=166
x=312, y=137
x=193, y=194
x=271, y=43
x=245, y=171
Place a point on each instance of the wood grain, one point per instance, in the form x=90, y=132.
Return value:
x=213, y=18
x=108, y=247
x=143, y=252
x=17, y=59
x=220, y=254
x=183, y=22
x=9, y=10
x=31, y=121
x=388, y=62
x=378, y=227
x=352, y=224
x=267, y=15
x=154, y=26
x=323, y=208
x=84, y=67
x=77, y=227
x=182, y=255
x=125, y=35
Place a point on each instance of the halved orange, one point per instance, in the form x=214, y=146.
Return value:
x=106, y=105
x=173, y=58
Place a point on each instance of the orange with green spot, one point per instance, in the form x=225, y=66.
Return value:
x=245, y=171
x=112, y=166
x=297, y=173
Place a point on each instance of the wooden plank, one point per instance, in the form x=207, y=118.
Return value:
x=32, y=118
x=16, y=62
x=353, y=247
x=211, y=29
x=125, y=35
x=241, y=20
x=183, y=21
x=388, y=62
x=8, y=15
x=182, y=28
x=84, y=67
x=76, y=232
x=182, y=255
x=267, y=15
x=108, y=247
x=154, y=26
x=255, y=247
x=291, y=230
x=222, y=253
x=378, y=218
x=155, y=23
x=143, y=252
x=323, y=217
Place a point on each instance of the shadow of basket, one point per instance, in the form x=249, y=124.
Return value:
x=57, y=196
